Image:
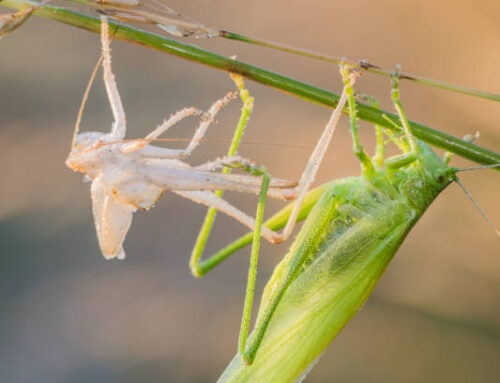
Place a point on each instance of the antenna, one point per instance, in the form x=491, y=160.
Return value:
x=467, y=193
x=477, y=168
x=84, y=101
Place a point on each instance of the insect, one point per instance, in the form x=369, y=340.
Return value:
x=152, y=12
x=353, y=229
x=356, y=224
x=127, y=175
x=12, y=21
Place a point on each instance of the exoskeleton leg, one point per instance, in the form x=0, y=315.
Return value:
x=207, y=119
x=119, y=127
x=167, y=124
x=309, y=173
x=212, y=200
x=198, y=267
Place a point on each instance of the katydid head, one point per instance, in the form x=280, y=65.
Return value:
x=423, y=179
x=437, y=171
x=440, y=175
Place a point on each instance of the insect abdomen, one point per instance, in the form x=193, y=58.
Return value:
x=362, y=237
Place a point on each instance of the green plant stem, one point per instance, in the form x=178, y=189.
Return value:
x=288, y=85
x=360, y=64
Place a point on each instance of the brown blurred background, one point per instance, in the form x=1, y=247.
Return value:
x=67, y=315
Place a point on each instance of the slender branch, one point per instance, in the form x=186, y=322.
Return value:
x=361, y=64
x=288, y=85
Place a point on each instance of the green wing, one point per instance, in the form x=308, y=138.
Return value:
x=328, y=290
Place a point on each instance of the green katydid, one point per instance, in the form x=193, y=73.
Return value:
x=354, y=227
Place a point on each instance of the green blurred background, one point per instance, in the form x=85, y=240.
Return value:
x=67, y=315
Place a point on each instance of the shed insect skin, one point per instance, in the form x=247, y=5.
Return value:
x=12, y=21
x=127, y=176
x=119, y=3
x=152, y=12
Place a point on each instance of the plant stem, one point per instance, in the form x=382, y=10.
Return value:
x=288, y=85
x=362, y=64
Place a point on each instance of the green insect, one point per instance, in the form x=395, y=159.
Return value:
x=353, y=229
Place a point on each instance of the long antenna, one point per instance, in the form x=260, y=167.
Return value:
x=478, y=168
x=84, y=101
x=467, y=193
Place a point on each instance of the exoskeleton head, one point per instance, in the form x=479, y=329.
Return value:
x=81, y=151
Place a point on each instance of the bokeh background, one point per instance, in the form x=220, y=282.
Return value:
x=67, y=315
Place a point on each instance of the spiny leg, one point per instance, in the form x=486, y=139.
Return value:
x=167, y=124
x=399, y=108
x=252, y=270
x=207, y=118
x=258, y=230
x=378, y=157
x=229, y=162
x=366, y=162
x=209, y=198
x=411, y=152
x=119, y=128
x=394, y=137
x=317, y=156
x=199, y=268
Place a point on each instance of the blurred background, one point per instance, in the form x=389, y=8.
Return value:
x=67, y=315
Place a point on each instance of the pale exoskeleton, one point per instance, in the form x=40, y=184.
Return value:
x=127, y=175
x=12, y=21
x=153, y=12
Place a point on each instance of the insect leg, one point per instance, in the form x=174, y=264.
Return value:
x=165, y=125
x=198, y=267
x=252, y=270
x=317, y=156
x=399, y=108
x=411, y=152
x=366, y=162
x=206, y=120
x=210, y=199
x=119, y=127
x=378, y=157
